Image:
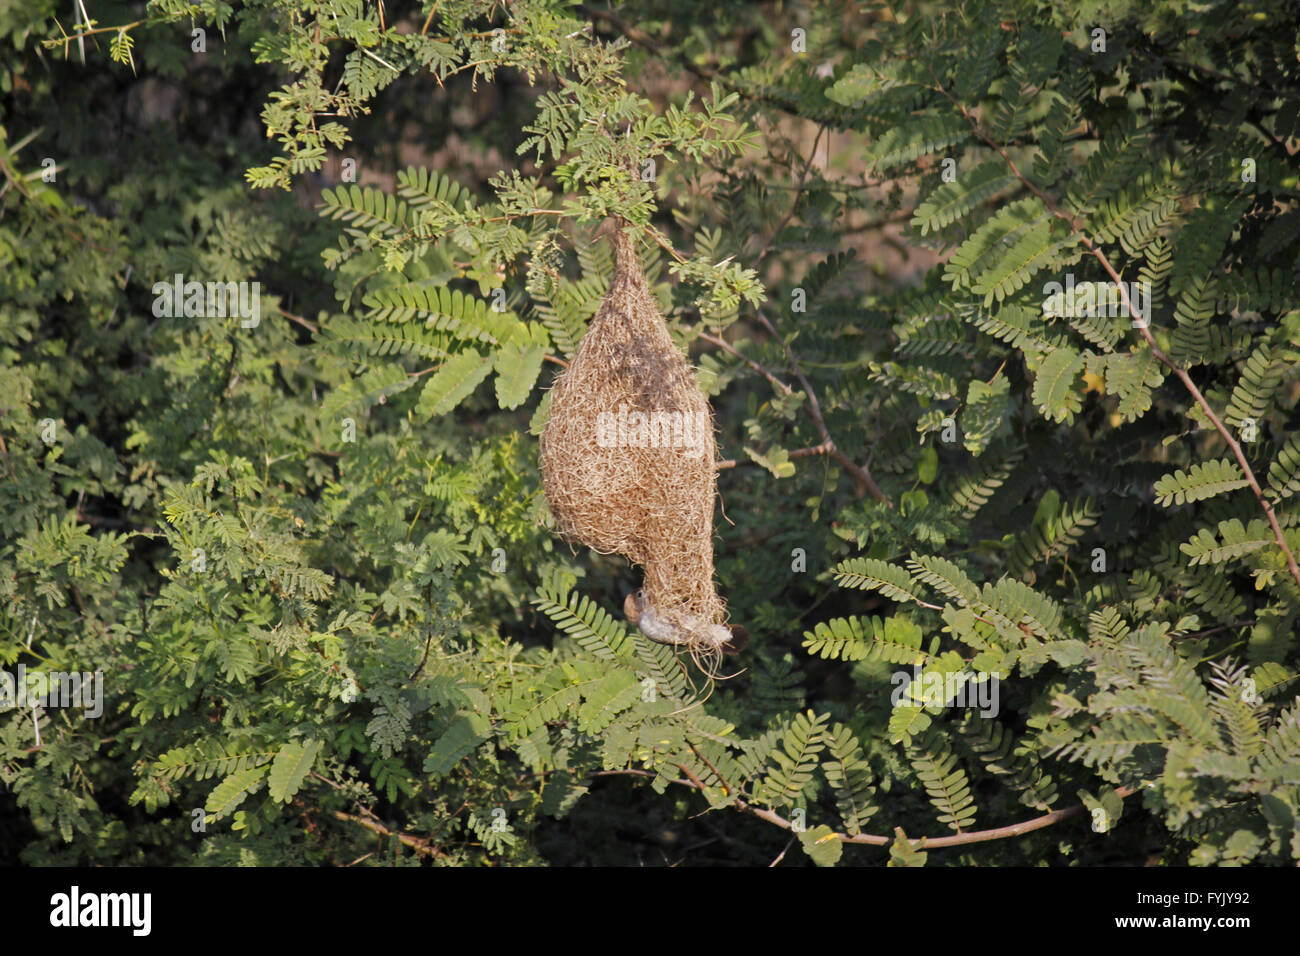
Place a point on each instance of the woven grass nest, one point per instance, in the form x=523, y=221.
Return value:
x=628, y=463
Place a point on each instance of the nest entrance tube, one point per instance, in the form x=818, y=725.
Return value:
x=628, y=461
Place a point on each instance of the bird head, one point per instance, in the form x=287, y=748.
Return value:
x=633, y=605
x=739, y=640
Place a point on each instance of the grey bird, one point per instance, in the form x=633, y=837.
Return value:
x=730, y=640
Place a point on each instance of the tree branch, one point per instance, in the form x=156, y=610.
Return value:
x=872, y=839
x=727, y=347
x=798, y=194
x=643, y=39
x=822, y=449
x=861, y=476
x=417, y=844
x=1181, y=373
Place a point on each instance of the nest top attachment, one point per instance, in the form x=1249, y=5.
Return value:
x=628, y=460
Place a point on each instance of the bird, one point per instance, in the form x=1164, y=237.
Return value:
x=729, y=640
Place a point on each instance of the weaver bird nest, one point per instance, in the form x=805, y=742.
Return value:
x=629, y=463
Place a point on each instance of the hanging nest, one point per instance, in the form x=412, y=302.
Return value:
x=628, y=463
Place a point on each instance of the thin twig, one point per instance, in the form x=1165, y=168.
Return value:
x=663, y=243
x=781, y=856
x=299, y=320
x=81, y=34
x=861, y=476
x=822, y=449
x=727, y=347
x=379, y=60
x=798, y=194
x=643, y=39
x=415, y=843
x=428, y=20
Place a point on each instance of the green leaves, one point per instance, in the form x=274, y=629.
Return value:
x=1253, y=394
x=367, y=208
x=945, y=577
x=1203, y=480
x=435, y=323
x=903, y=852
x=1235, y=540
x=465, y=732
x=1014, y=765
x=909, y=141
x=986, y=248
x=310, y=582
x=1054, y=393
x=1054, y=531
x=862, y=82
x=945, y=782
x=586, y=622
x=792, y=764
x=971, y=490
x=409, y=338
x=373, y=387
x=849, y=774
x=988, y=404
x=894, y=639
x=777, y=461
x=953, y=201
x=424, y=187
x=453, y=383
x=1284, y=473
x=290, y=768
x=233, y=790
x=892, y=581
x=566, y=306
x=517, y=368
x=1132, y=378
x=822, y=845
x=1032, y=251
x=606, y=699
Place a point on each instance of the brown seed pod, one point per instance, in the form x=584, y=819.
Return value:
x=628, y=458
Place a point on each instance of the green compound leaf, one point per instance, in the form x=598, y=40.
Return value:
x=290, y=768
x=453, y=383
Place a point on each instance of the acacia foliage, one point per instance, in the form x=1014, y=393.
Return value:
x=308, y=640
